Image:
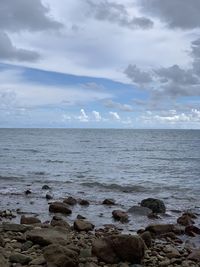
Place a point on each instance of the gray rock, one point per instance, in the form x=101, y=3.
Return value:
x=27, y=245
x=20, y=258
x=13, y=227
x=58, y=221
x=156, y=205
x=138, y=210
x=3, y=261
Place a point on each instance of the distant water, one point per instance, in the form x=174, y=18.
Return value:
x=127, y=165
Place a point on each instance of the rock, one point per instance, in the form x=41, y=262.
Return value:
x=48, y=236
x=120, y=215
x=194, y=255
x=58, y=221
x=171, y=252
x=27, y=192
x=86, y=253
x=108, y=201
x=38, y=261
x=159, y=229
x=138, y=210
x=59, y=207
x=20, y=258
x=45, y=187
x=156, y=205
x=60, y=256
x=164, y=263
x=153, y=216
x=70, y=201
x=29, y=220
x=116, y=248
x=81, y=225
x=147, y=238
x=48, y=197
x=26, y=245
x=3, y=261
x=2, y=241
x=185, y=220
x=80, y=217
x=83, y=202
x=191, y=214
x=13, y=227
x=191, y=230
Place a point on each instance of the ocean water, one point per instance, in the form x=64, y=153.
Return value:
x=94, y=164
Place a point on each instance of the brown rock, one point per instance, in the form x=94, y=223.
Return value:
x=195, y=255
x=29, y=220
x=191, y=230
x=83, y=202
x=70, y=201
x=58, y=221
x=59, y=207
x=120, y=215
x=159, y=229
x=60, y=256
x=81, y=225
x=118, y=248
x=108, y=201
x=3, y=261
x=185, y=220
x=147, y=238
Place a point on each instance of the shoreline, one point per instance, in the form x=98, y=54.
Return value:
x=58, y=243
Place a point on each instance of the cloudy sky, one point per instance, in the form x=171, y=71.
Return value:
x=100, y=63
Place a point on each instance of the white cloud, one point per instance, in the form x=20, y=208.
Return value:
x=114, y=115
x=96, y=115
x=83, y=116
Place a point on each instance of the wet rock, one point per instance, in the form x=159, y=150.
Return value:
x=70, y=201
x=60, y=256
x=159, y=229
x=13, y=227
x=81, y=225
x=58, y=221
x=108, y=201
x=171, y=252
x=48, y=196
x=80, y=217
x=156, y=205
x=191, y=230
x=83, y=202
x=120, y=215
x=27, y=192
x=29, y=220
x=118, y=248
x=195, y=255
x=20, y=258
x=153, y=216
x=138, y=210
x=191, y=214
x=46, y=187
x=185, y=220
x=147, y=238
x=59, y=207
x=48, y=236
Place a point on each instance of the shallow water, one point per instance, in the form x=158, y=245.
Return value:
x=127, y=165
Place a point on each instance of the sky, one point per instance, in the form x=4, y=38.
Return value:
x=100, y=63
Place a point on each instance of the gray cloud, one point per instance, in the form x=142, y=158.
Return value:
x=25, y=15
x=182, y=14
x=122, y=107
x=9, y=52
x=137, y=76
x=117, y=13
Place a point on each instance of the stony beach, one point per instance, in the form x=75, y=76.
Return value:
x=60, y=243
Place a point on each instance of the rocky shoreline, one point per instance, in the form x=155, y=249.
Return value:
x=56, y=243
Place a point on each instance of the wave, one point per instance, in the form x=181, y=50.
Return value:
x=122, y=188
x=55, y=161
x=11, y=178
x=30, y=150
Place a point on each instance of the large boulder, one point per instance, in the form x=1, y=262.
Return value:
x=81, y=225
x=60, y=256
x=59, y=207
x=47, y=236
x=118, y=248
x=156, y=205
x=29, y=220
x=120, y=215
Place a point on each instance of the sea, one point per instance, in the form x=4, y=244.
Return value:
x=125, y=165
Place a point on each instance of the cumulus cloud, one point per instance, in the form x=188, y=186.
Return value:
x=122, y=107
x=83, y=116
x=117, y=13
x=96, y=115
x=181, y=14
x=114, y=115
x=136, y=75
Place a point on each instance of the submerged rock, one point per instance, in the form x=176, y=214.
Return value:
x=118, y=248
x=83, y=202
x=108, y=201
x=59, y=207
x=48, y=196
x=120, y=215
x=46, y=187
x=156, y=205
x=138, y=210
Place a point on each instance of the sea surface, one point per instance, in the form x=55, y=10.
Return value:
x=94, y=164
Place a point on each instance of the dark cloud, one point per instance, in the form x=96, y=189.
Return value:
x=25, y=15
x=137, y=76
x=9, y=52
x=182, y=14
x=117, y=13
